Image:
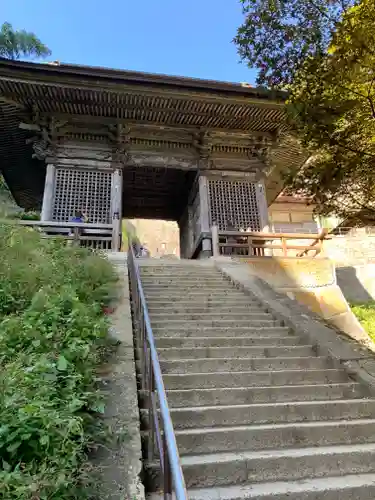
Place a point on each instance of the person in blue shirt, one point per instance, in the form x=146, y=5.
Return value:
x=79, y=216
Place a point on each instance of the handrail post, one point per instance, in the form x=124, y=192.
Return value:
x=167, y=472
x=215, y=241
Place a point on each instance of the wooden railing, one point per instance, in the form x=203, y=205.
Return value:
x=96, y=236
x=256, y=244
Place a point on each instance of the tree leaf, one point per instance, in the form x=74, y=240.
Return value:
x=62, y=363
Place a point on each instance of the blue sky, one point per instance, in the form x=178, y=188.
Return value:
x=178, y=37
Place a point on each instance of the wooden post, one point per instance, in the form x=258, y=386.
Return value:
x=283, y=243
x=116, y=233
x=76, y=236
x=116, y=209
x=215, y=241
x=204, y=214
x=49, y=193
x=262, y=207
x=250, y=243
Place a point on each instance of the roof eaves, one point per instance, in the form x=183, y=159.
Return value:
x=139, y=78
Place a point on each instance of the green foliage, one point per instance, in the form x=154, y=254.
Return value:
x=30, y=215
x=52, y=335
x=15, y=44
x=366, y=316
x=323, y=52
x=278, y=36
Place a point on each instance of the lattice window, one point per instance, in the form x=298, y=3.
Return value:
x=89, y=191
x=234, y=202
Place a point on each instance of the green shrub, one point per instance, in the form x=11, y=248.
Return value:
x=52, y=332
x=366, y=316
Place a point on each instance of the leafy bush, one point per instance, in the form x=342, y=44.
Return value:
x=52, y=333
x=366, y=316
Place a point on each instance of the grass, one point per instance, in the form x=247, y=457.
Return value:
x=52, y=337
x=366, y=316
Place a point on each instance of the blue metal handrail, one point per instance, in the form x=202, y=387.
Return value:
x=152, y=381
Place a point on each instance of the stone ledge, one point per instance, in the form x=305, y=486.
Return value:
x=119, y=465
x=357, y=359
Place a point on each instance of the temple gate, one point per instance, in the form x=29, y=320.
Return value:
x=120, y=144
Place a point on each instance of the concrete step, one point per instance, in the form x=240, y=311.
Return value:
x=188, y=279
x=213, y=315
x=173, y=272
x=280, y=412
x=180, y=271
x=197, y=324
x=210, y=365
x=194, y=342
x=252, y=469
x=185, y=331
x=350, y=487
x=246, y=395
x=235, y=352
x=253, y=379
x=204, y=309
x=275, y=436
x=235, y=298
x=178, y=285
x=194, y=293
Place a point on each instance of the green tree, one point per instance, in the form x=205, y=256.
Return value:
x=323, y=52
x=15, y=44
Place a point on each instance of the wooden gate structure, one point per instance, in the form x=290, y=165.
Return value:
x=119, y=144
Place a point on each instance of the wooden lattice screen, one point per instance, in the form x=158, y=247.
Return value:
x=87, y=190
x=234, y=202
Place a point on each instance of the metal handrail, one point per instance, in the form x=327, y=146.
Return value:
x=152, y=381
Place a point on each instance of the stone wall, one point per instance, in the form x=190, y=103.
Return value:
x=354, y=249
x=354, y=257
x=311, y=282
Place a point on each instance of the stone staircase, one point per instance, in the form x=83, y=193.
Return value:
x=258, y=414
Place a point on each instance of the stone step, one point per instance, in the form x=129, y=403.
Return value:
x=349, y=487
x=185, y=331
x=177, y=284
x=213, y=315
x=253, y=379
x=195, y=294
x=197, y=324
x=205, y=302
x=195, y=291
x=246, y=395
x=250, y=414
x=198, y=298
x=191, y=342
x=210, y=365
x=173, y=272
x=275, y=436
x=204, y=309
x=235, y=352
x=179, y=270
x=188, y=279
x=252, y=469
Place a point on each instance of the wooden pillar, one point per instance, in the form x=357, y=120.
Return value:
x=262, y=207
x=204, y=215
x=49, y=193
x=116, y=209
